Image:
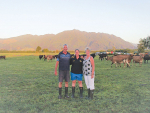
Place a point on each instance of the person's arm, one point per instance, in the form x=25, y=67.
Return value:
x=57, y=62
x=93, y=66
x=70, y=61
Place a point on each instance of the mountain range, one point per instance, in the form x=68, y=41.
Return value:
x=74, y=39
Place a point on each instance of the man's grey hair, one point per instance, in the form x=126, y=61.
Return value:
x=87, y=48
x=77, y=49
x=65, y=45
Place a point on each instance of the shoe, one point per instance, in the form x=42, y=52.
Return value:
x=91, y=94
x=88, y=94
x=60, y=90
x=66, y=92
x=73, y=91
x=81, y=92
x=59, y=97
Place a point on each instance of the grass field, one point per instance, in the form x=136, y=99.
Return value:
x=8, y=55
x=28, y=85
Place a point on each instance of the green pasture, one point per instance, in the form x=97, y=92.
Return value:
x=8, y=55
x=28, y=85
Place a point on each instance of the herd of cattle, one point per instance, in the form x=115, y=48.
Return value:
x=50, y=57
x=116, y=59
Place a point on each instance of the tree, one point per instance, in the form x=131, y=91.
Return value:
x=141, y=46
x=146, y=42
x=45, y=50
x=38, y=48
x=114, y=49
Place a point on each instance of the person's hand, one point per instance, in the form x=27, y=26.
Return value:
x=55, y=72
x=92, y=76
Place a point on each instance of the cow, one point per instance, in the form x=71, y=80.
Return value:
x=146, y=57
x=50, y=57
x=83, y=55
x=3, y=57
x=56, y=56
x=102, y=56
x=93, y=55
x=109, y=58
x=121, y=59
x=117, y=60
x=41, y=56
x=138, y=59
x=45, y=57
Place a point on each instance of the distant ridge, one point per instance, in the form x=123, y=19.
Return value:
x=74, y=39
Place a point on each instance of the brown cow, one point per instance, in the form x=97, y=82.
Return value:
x=121, y=59
x=109, y=58
x=50, y=57
x=138, y=59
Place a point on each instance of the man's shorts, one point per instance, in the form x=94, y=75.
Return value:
x=64, y=75
x=76, y=76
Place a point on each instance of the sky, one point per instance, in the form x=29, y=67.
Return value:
x=127, y=19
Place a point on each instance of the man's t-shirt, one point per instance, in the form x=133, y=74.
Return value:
x=64, y=61
x=76, y=65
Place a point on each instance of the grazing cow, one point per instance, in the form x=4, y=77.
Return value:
x=50, y=57
x=40, y=57
x=121, y=59
x=102, y=56
x=109, y=58
x=2, y=57
x=117, y=60
x=146, y=57
x=56, y=56
x=137, y=59
x=93, y=55
x=45, y=57
x=83, y=55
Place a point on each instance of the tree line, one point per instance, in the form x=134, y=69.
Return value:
x=144, y=45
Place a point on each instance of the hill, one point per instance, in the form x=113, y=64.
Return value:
x=74, y=39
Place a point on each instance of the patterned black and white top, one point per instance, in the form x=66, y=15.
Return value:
x=87, y=67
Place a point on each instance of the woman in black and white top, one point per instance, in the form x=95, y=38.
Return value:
x=88, y=72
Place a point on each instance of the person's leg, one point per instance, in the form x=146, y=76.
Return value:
x=66, y=84
x=86, y=82
x=73, y=78
x=87, y=85
x=81, y=89
x=73, y=88
x=91, y=84
x=79, y=78
x=67, y=79
x=60, y=84
x=80, y=83
x=60, y=90
x=73, y=83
